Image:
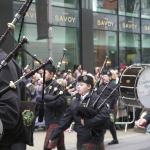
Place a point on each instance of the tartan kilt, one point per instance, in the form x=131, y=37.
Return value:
x=91, y=146
x=59, y=142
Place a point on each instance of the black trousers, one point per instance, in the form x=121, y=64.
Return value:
x=113, y=132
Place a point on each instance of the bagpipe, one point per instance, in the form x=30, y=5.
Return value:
x=59, y=81
x=59, y=63
x=99, y=75
x=49, y=88
x=26, y=67
x=58, y=90
x=92, y=110
x=51, y=97
x=23, y=131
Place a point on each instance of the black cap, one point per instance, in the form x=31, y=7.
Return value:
x=106, y=72
x=50, y=68
x=86, y=79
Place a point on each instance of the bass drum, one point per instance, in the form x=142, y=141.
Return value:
x=135, y=86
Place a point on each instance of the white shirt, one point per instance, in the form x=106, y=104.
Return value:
x=83, y=96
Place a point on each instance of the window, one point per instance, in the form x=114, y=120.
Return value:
x=129, y=48
x=145, y=48
x=70, y=40
x=105, y=44
x=105, y=6
x=145, y=9
x=129, y=8
x=66, y=3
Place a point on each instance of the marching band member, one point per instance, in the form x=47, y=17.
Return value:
x=54, y=110
x=112, y=101
x=83, y=126
x=10, y=102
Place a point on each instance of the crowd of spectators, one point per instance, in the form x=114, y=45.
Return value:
x=34, y=87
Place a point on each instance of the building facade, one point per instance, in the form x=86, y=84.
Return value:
x=90, y=30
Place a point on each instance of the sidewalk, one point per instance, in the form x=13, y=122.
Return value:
x=70, y=138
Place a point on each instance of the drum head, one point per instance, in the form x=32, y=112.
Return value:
x=143, y=88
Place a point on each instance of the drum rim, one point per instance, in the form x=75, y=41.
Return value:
x=142, y=67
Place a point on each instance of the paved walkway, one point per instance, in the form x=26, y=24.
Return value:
x=70, y=138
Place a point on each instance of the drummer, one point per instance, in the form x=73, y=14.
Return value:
x=83, y=126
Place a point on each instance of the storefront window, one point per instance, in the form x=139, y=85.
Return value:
x=129, y=7
x=145, y=48
x=129, y=24
x=145, y=9
x=66, y=3
x=106, y=6
x=129, y=48
x=66, y=38
x=105, y=44
x=145, y=26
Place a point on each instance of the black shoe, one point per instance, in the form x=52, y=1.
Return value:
x=113, y=142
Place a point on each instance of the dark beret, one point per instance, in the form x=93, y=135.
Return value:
x=86, y=79
x=50, y=68
x=106, y=72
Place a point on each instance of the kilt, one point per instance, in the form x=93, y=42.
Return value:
x=59, y=142
x=91, y=146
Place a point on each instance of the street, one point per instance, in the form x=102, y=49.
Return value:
x=127, y=141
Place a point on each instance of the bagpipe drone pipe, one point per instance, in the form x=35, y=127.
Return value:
x=99, y=75
x=50, y=86
x=11, y=54
x=21, y=12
